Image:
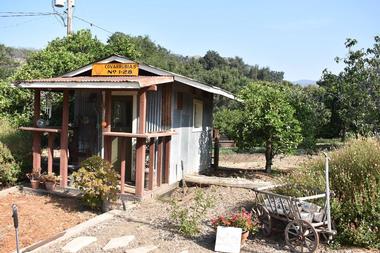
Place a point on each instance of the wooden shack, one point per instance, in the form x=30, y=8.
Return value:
x=151, y=124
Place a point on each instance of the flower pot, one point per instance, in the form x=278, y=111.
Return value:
x=244, y=236
x=35, y=183
x=50, y=186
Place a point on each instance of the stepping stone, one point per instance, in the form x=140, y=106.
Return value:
x=144, y=249
x=79, y=243
x=119, y=242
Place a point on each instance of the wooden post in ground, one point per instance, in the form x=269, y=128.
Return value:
x=107, y=128
x=216, y=148
x=167, y=140
x=50, y=152
x=140, y=145
x=64, y=140
x=123, y=145
x=37, y=135
x=151, y=163
x=159, y=162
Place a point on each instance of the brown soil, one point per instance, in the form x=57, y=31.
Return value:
x=40, y=217
x=257, y=161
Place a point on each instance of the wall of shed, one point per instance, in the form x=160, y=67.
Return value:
x=191, y=146
x=154, y=111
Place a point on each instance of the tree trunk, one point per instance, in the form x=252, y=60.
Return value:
x=268, y=157
x=343, y=138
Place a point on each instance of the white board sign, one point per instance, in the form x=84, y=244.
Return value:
x=228, y=239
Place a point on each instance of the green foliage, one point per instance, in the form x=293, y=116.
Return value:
x=354, y=93
x=97, y=180
x=265, y=118
x=355, y=180
x=18, y=142
x=9, y=169
x=188, y=219
x=310, y=112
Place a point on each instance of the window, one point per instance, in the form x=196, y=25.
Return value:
x=197, y=114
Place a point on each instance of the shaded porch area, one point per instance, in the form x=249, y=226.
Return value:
x=142, y=154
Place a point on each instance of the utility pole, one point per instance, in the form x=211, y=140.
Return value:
x=69, y=17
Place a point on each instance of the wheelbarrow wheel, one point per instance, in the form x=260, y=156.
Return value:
x=265, y=219
x=301, y=236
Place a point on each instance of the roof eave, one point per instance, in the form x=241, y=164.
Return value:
x=81, y=85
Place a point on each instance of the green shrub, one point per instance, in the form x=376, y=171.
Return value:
x=19, y=142
x=9, y=169
x=188, y=219
x=355, y=180
x=98, y=181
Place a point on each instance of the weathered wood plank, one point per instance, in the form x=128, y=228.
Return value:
x=227, y=182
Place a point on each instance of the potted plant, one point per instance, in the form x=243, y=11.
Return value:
x=34, y=178
x=50, y=181
x=243, y=219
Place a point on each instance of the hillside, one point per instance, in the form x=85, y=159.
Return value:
x=230, y=73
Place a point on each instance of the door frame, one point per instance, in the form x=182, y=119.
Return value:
x=134, y=125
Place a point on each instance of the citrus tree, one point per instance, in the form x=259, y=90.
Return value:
x=265, y=118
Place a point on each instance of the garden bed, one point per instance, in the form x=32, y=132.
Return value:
x=40, y=217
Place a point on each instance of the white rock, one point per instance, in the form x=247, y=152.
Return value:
x=144, y=249
x=78, y=243
x=119, y=242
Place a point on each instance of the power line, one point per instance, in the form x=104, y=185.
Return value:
x=9, y=14
x=92, y=24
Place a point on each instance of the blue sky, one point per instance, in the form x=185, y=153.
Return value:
x=300, y=38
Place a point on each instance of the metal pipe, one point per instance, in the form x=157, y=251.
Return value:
x=328, y=211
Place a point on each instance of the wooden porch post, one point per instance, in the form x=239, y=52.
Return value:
x=140, y=145
x=50, y=152
x=151, y=163
x=108, y=139
x=159, y=162
x=123, y=145
x=167, y=158
x=64, y=140
x=37, y=135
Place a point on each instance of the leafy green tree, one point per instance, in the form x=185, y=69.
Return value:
x=354, y=93
x=265, y=118
x=311, y=111
x=121, y=44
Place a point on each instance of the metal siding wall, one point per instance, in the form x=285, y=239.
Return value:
x=154, y=111
x=192, y=147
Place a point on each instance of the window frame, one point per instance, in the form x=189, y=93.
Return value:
x=197, y=102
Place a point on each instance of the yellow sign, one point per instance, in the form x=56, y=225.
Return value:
x=115, y=69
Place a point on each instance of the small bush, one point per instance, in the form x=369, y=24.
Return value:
x=19, y=143
x=98, y=182
x=188, y=219
x=9, y=169
x=355, y=180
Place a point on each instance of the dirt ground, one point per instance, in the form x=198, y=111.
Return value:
x=257, y=161
x=151, y=224
x=40, y=217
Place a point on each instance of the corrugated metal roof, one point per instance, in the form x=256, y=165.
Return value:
x=160, y=72
x=122, y=82
x=132, y=82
